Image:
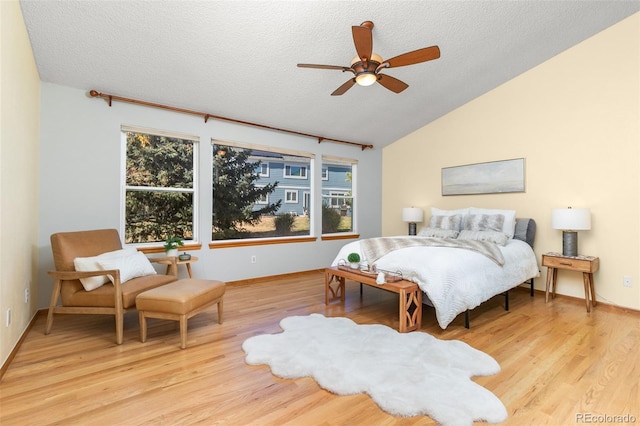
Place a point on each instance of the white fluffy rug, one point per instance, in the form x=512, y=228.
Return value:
x=407, y=374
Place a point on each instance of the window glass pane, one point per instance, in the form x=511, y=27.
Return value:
x=153, y=215
x=249, y=203
x=159, y=188
x=337, y=197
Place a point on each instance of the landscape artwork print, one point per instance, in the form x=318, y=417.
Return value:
x=484, y=178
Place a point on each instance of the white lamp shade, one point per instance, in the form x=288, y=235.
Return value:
x=412, y=214
x=571, y=219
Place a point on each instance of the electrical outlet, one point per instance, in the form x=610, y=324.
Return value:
x=253, y=259
x=8, y=317
x=26, y=295
x=627, y=281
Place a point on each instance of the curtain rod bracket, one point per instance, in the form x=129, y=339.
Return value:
x=206, y=117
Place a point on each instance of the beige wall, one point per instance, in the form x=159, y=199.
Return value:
x=19, y=143
x=576, y=121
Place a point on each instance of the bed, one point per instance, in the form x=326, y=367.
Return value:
x=463, y=258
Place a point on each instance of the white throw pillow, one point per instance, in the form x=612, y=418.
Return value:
x=484, y=222
x=131, y=266
x=437, y=233
x=453, y=221
x=87, y=264
x=462, y=212
x=509, y=224
x=495, y=237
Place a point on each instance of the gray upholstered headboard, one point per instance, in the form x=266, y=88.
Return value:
x=525, y=230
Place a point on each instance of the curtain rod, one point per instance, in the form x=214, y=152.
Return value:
x=111, y=98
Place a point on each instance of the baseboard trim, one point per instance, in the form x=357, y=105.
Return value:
x=26, y=331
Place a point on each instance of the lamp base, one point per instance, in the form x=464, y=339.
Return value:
x=412, y=228
x=569, y=243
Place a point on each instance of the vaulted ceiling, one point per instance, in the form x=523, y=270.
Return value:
x=238, y=58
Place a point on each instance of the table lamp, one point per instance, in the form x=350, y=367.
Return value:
x=569, y=221
x=412, y=215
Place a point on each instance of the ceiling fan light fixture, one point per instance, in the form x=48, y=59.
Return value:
x=365, y=71
x=366, y=79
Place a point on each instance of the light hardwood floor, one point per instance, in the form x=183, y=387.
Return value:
x=557, y=362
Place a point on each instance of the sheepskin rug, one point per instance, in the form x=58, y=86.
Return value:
x=406, y=374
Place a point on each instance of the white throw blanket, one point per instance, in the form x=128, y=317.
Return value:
x=454, y=279
x=374, y=248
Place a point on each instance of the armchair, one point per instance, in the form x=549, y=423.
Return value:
x=113, y=298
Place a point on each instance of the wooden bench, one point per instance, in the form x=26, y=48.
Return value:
x=409, y=293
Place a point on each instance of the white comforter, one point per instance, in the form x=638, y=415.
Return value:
x=456, y=279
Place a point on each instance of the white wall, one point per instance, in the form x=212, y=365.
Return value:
x=576, y=121
x=80, y=180
x=20, y=96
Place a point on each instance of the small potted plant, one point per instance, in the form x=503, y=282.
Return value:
x=354, y=260
x=172, y=244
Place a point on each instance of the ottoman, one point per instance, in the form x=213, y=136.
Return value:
x=179, y=301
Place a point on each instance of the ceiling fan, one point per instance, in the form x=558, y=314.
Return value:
x=367, y=66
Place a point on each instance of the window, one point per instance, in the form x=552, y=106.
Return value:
x=338, y=195
x=263, y=169
x=160, y=196
x=247, y=204
x=262, y=199
x=325, y=173
x=295, y=171
x=290, y=196
x=337, y=199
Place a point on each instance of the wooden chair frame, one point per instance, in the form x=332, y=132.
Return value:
x=117, y=310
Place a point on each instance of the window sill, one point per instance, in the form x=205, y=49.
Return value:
x=341, y=236
x=160, y=249
x=259, y=242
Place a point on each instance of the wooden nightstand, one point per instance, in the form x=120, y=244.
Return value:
x=585, y=264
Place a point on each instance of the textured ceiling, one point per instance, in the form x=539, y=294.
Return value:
x=238, y=58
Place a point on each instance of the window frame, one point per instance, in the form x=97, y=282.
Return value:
x=158, y=246
x=288, y=192
x=286, y=154
x=327, y=161
x=287, y=174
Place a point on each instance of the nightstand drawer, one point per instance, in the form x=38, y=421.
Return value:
x=581, y=265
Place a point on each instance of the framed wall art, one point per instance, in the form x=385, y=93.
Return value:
x=493, y=177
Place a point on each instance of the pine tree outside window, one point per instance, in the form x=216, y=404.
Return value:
x=160, y=196
x=251, y=204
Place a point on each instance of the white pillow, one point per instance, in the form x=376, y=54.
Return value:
x=130, y=266
x=437, y=233
x=509, y=224
x=87, y=264
x=484, y=222
x=462, y=212
x=495, y=237
x=438, y=212
x=453, y=221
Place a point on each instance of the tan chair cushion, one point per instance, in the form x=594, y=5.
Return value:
x=66, y=246
x=180, y=297
x=73, y=294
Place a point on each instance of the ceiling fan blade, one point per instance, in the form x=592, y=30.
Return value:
x=392, y=83
x=346, y=86
x=414, y=57
x=363, y=39
x=324, y=67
